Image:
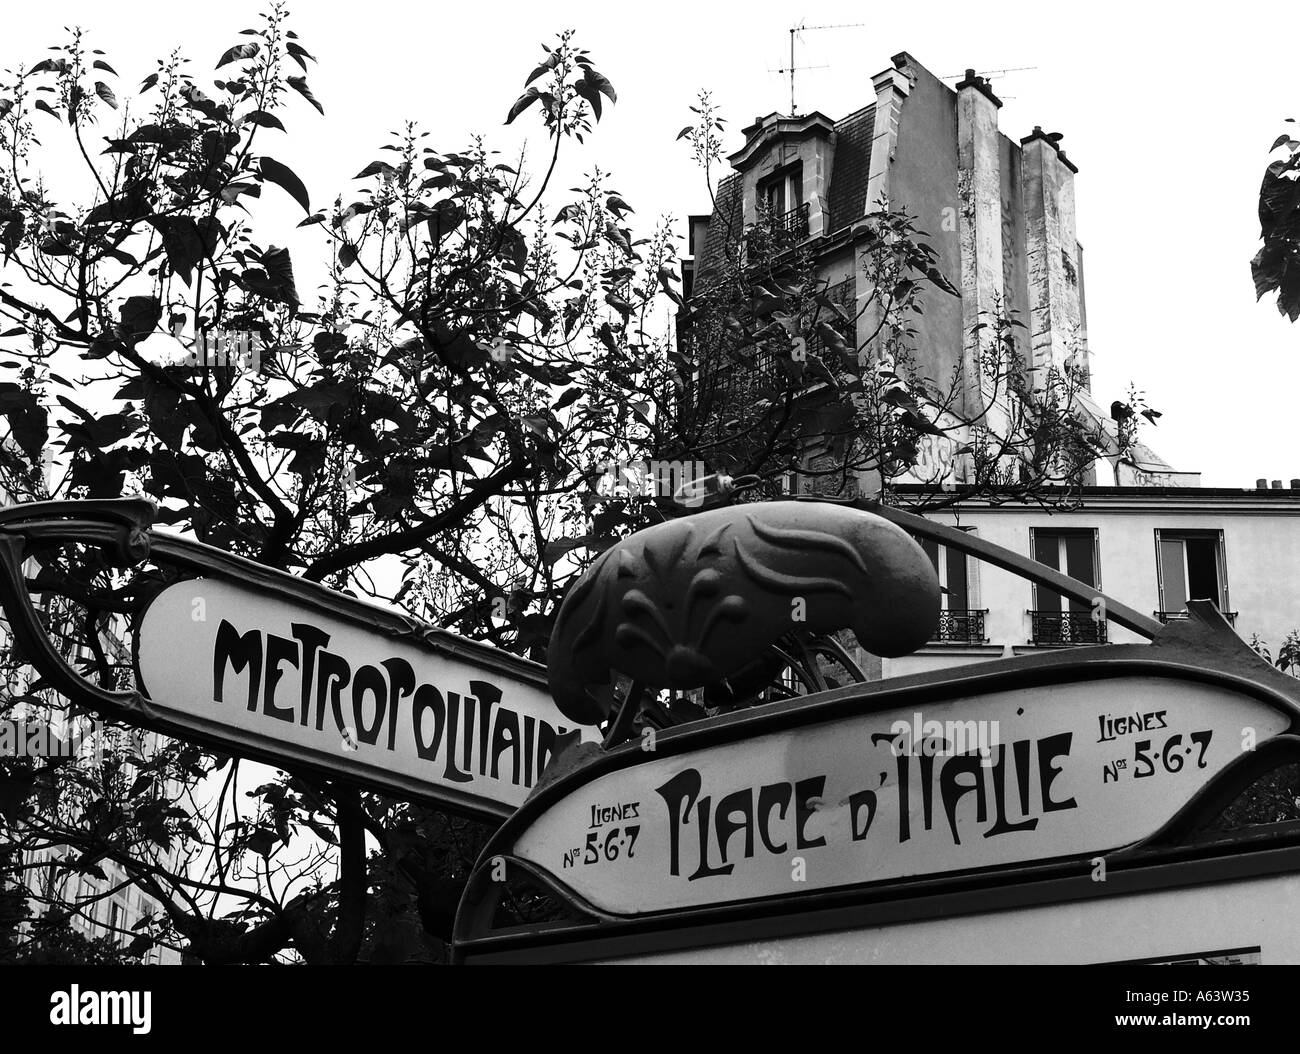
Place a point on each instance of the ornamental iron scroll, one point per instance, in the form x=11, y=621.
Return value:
x=692, y=602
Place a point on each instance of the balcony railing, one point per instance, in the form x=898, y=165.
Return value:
x=1059, y=629
x=791, y=226
x=1176, y=616
x=961, y=626
x=776, y=233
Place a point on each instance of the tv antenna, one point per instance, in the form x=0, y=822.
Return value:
x=792, y=68
x=992, y=75
x=989, y=74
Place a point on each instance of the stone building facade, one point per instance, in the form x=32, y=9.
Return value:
x=999, y=212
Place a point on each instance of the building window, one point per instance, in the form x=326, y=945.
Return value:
x=960, y=621
x=1057, y=620
x=1190, y=566
x=783, y=191
x=782, y=209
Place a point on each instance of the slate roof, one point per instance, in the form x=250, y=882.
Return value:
x=851, y=167
x=726, y=225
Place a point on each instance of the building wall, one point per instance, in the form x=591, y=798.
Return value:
x=107, y=906
x=923, y=180
x=1015, y=276
x=1261, y=548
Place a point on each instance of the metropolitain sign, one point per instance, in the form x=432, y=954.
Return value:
x=442, y=719
x=1077, y=767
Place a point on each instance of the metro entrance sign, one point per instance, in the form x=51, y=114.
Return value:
x=266, y=665
x=338, y=694
x=1089, y=766
x=1068, y=774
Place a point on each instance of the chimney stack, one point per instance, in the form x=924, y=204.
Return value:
x=979, y=224
x=1055, y=299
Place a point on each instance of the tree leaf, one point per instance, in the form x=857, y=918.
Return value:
x=274, y=279
x=618, y=206
x=299, y=53
x=601, y=83
x=549, y=64
x=231, y=191
x=106, y=93
x=376, y=168
x=522, y=103
x=284, y=178
x=299, y=84
x=591, y=94
x=263, y=119
x=239, y=51
x=569, y=397
x=141, y=315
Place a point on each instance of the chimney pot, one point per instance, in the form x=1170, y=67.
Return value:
x=1277, y=484
x=981, y=85
x=1295, y=484
x=1261, y=484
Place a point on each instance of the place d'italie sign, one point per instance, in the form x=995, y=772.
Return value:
x=1069, y=768
x=454, y=723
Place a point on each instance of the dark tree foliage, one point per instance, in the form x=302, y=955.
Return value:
x=1276, y=267
x=425, y=427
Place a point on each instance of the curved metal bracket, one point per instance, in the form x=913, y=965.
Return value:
x=26, y=624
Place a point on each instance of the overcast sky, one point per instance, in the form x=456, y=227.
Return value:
x=1167, y=112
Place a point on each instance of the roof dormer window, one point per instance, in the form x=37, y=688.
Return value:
x=782, y=207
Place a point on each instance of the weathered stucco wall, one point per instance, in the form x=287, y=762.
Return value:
x=924, y=181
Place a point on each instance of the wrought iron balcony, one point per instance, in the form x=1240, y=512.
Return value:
x=961, y=626
x=791, y=226
x=1175, y=616
x=776, y=233
x=1057, y=629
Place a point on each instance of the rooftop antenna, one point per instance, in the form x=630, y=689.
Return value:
x=988, y=74
x=991, y=75
x=792, y=68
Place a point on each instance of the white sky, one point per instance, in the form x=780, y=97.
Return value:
x=1168, y=110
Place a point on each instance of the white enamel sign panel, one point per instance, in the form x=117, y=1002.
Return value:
x=1003, y=778
x=345, y=696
